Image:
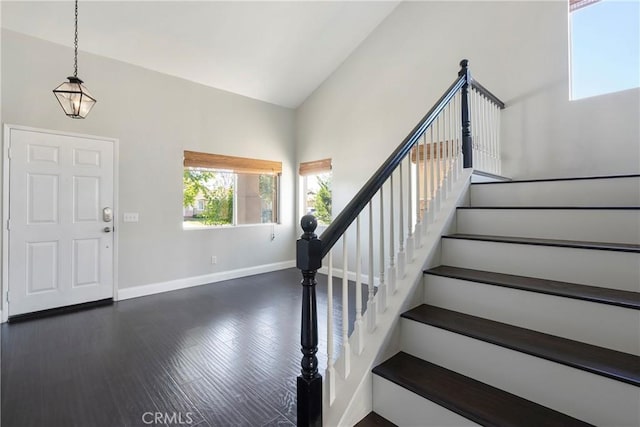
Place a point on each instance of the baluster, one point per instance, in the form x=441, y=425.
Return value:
x=309, y=382
x=436, y=161
x=402, y=255
x=485, y=120
x=459, y=134
x=454, y=132
x=371, y=304
x=391, y=273
x=445, y=143
x=452, y=143
x=410, y=242
x=432, y=177
x=330, y=372
x=358, y=325
x=449, y=150
x=443, y=155
x=418, y=225
x=426, y=214
x=382, y=287
x=346, y=349
x=499, y=114
x=496, y=132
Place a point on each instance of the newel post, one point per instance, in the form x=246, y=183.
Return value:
x=467, y=156
x=309, y=385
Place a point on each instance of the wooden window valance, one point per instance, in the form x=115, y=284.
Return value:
x=314, y=168
x=194, y=159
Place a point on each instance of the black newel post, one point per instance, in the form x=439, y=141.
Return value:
x=467, y=156
x=309, y=386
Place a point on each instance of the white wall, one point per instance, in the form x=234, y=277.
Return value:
x=519, y=50
x=156, y=117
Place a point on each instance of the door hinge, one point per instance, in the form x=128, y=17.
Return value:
x=8, y=224
x=10, y=153
x=7, y=296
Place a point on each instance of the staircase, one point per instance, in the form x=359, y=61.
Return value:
x=533, y=316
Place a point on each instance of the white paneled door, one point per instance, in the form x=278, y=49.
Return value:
x=60, y=220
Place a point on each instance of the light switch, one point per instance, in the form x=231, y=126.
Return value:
x=130, y=217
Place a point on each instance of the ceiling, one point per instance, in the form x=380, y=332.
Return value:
x=274, y=51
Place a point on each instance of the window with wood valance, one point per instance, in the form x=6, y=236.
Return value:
x=315, y=167
x=195, y=159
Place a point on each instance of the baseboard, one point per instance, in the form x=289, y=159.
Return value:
x=188, y=282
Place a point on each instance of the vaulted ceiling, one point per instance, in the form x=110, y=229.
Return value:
x=274, y=51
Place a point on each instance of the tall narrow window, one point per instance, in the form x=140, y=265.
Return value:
x=315, y=182
x=605, y=46
x=223, y=190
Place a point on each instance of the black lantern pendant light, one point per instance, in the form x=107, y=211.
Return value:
x=73, y=97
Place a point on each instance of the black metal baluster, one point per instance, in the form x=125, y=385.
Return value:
x=467, y=158
x=309, y=385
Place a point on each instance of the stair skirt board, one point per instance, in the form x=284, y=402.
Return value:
x=577, y=393
x=405, y=408
x=602, y=325
x=597, y=225
x=586, y=192
x=609, y=269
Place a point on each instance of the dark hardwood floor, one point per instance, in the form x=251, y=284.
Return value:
x=225, y=354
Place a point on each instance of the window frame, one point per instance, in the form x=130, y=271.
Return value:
x=235, y=165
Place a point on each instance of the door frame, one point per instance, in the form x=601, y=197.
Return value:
x=6, y=188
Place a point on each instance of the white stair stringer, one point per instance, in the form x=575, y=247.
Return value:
x=590, y=225
x=405, y=408
x=615, y=191
x=353, y=398
x=603, y=325
x=575, y=392
x=604, y=268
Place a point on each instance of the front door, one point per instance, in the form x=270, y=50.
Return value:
x=60, y=220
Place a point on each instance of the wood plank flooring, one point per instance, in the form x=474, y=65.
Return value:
x=225, y=354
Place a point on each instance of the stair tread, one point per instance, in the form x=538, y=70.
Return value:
x=598, y=360
x=477, y=401
x=622, y=247
x=628, y=299
x=374, y=420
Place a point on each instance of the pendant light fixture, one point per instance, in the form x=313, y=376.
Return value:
x=73, y=97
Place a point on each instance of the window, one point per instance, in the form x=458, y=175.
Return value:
x=605, y=46
x=224, y=190
x=316, y=189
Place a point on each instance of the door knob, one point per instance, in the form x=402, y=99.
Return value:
x=107, y=229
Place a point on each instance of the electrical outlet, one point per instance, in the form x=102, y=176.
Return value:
x=214, y=259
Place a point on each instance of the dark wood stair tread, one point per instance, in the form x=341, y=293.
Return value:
x=472, y=399
x=374, y=420
x=553, y=208
x=598, y=360
x=620, y=247
x=627, y=299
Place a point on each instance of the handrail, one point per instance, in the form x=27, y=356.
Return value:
x=342, y=222
x=484, y=91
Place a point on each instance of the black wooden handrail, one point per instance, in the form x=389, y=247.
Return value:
x=487, y=94
x=310, y=249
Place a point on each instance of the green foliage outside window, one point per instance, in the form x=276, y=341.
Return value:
x=218, y=199
x=322, y=201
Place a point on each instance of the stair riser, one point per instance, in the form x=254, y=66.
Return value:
x=405, y=408
x=598, y=324
x=619, y=226
x=591, y=192
x=607, y=269
x=586, y=396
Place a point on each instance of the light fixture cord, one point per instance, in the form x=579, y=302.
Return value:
x=75, y=44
